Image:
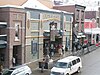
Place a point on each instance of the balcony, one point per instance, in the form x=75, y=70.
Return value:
x=3, y=24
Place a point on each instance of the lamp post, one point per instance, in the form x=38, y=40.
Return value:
x=52, y=37
x=81, y=36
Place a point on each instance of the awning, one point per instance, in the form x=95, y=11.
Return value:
x=2, y=42
x=92, y=31
x=3, y=24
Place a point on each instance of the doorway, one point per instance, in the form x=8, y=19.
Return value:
x=17, y=54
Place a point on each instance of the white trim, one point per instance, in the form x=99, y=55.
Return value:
x=3, y=23
x=3, y=35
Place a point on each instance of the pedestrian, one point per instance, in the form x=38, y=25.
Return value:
x=47, y=58
x=13, y=61
x=1, y=69
x=62, y=49
x=42, y=65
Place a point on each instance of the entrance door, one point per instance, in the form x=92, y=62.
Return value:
x=17, y=54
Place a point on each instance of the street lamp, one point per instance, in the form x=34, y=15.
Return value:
x=81, y=36
x=52, y=36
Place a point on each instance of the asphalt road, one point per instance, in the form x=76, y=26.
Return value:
x=91, y=65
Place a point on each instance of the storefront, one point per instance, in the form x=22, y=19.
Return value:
x=38, y=32
x=12, y=35
x=93, y=35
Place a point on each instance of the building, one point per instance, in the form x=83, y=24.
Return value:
x=12, y=34
x=33, y=31
x=78, y=19
x=91, y=25
x=45, y=30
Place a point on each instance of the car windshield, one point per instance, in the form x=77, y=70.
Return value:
x=61, y=65
x=7, y=72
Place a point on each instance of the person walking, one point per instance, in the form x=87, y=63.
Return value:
x=42, y=65
x=47, y=58
x=14, y=61
x=60, y=51
x=1, y=69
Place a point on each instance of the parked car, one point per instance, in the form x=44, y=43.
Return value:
x=67, y=66
x=18, y=70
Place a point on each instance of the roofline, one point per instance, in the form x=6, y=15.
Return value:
x=80, y=5
x=54, y=11
x=70, y=5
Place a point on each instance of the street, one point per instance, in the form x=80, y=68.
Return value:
x=91, y=64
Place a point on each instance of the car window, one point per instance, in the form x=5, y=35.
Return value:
x=7, y=72
x=69, y=65
x=78, y=60
x=61, y=65
x=12, y=68
x=74, y=62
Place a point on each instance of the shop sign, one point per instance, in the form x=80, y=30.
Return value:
x=49, y=16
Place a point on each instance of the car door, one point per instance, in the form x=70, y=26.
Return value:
x=74, y=66
x=69, y=67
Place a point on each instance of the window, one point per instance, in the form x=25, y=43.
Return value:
x=61, y=65
x=17, y=25
x=78, y=60
x=82, y=15
x=69, y=65
x=77, y=15
x=34, y=25
x=68, y=26
x=74, y=62
x=33, y=47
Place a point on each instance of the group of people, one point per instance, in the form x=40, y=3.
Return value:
x=46, y=60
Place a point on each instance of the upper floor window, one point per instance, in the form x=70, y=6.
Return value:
x=82, y=15
x=77, y=15
x=16, y=31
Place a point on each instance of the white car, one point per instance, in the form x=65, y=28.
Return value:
x=67, y=66
x=18, y=70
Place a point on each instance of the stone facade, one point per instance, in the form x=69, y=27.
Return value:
x=15, y=19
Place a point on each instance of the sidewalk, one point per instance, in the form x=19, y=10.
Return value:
x=47, y=71
x=56, y=57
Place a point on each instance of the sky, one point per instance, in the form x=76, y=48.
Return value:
x=87, y=1
x=90, y=4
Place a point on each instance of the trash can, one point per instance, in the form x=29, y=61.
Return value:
x=50, y=64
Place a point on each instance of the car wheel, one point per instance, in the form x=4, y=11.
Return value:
x=79, y=70
x=67, y=74
x=27, y=74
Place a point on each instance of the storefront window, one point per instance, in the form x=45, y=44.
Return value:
x=68, y=26
x=34, y=25
x=34, y=49
x=46, y=25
